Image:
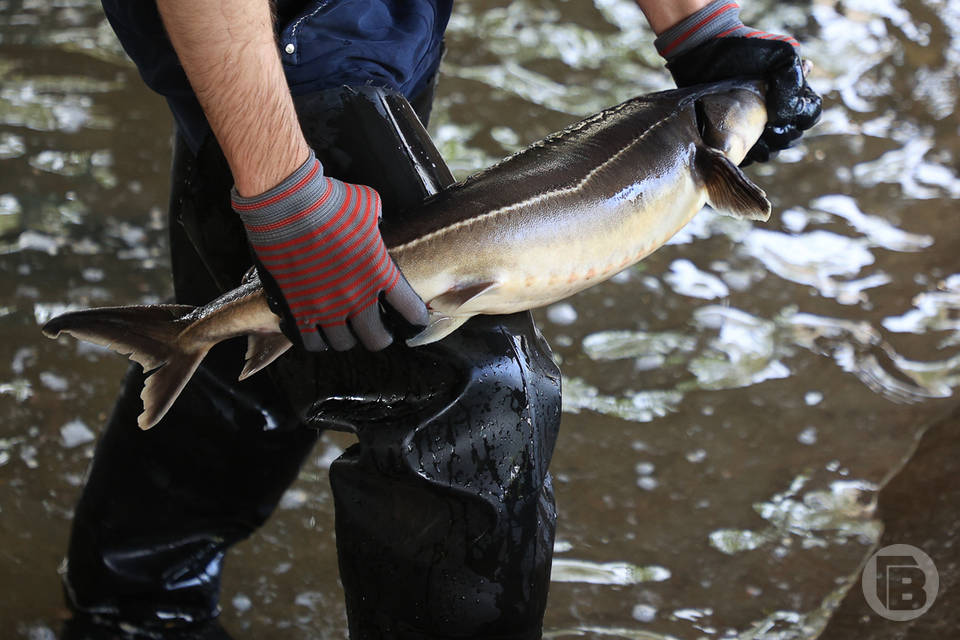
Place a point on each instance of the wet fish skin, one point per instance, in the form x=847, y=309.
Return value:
x=608, y=191
x=564, y=214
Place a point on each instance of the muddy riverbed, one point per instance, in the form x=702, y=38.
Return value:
x=733, y=404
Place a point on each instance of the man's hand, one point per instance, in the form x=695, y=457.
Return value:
x=318, y=240
x=316, y=237
x=713, y=44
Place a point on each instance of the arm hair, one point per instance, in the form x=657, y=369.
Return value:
x=229, y=53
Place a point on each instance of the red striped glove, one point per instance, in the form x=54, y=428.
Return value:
x=318, y=240
x=713, y=44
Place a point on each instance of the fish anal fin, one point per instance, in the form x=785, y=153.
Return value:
x=163, y=386
x=440, y=327
x=262, y=349
x=451, y=300
x=728, y=189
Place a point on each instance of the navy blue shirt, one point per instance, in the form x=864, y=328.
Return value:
x=323, y=43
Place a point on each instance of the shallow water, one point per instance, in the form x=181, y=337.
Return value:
x=733, y=403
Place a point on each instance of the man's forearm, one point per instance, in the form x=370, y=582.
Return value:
x=663, y=14
x=228, y=51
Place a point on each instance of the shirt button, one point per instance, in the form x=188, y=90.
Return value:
x=290, y=48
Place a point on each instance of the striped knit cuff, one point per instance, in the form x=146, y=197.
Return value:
x=718, y=19
x=293, y=207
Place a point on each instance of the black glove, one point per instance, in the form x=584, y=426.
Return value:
x=713, y=44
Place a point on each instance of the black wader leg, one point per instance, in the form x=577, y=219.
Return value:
x=444, y=508
x=445, y=518
x=161, y=507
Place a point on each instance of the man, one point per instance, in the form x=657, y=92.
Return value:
x=445, y=514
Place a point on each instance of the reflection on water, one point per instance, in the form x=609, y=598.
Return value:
x=933, y=311
x=816, y=519
x=733, y=404
x=623, y=573
x=748, y=350
x=635, y=406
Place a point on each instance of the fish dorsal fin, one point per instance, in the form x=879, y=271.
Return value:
x=728, y=189
x=451, y=300
x=262, y=349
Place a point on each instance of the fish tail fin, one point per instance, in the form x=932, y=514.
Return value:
x=148, y=335
x=729, y=190
x=163, y=386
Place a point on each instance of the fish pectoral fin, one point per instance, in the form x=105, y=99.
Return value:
x=448, y=302
x=440, y=327
x=444, y=316
x=262, y=349
x=728, y=189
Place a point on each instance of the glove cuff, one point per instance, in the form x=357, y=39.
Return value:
x=292, y=208
x=718, y=19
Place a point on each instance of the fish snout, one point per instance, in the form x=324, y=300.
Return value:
x=732, y=121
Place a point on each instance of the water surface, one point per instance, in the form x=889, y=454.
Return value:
x=733, y=403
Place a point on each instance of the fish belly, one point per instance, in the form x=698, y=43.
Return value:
x=536, y=258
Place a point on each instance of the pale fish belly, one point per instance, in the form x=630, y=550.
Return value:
x=539, y=266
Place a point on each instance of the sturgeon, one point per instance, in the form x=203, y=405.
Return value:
x=561, y=215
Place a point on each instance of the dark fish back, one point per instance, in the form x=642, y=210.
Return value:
x=558, y=161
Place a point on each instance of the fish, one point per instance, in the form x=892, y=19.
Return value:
x=561, y=215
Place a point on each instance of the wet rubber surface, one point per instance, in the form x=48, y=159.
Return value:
x=733, y=404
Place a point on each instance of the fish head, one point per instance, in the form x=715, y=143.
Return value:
x=731, y=119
